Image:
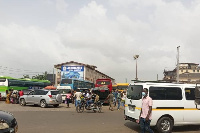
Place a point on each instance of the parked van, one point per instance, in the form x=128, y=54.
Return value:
x=63, y=90
x=173, y=104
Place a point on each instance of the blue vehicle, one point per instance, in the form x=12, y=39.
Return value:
x=76, y=83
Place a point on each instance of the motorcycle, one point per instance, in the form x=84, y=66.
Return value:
x=96, y=107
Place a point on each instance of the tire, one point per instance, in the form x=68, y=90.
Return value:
x=22, y=102
x=79, y=109
x=164, y=125
x=55, y=105
x=43, y=104
x=59, y=98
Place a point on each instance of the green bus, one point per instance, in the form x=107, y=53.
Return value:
x=7, y=83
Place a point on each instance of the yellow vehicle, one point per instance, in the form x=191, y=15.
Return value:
x=120, y=86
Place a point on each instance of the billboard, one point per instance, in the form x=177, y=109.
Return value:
x=72, y=72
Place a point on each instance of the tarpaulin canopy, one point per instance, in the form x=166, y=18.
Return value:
x=50, y=88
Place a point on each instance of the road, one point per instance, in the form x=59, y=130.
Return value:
x=33, y=119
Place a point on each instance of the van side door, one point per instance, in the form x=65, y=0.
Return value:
x=191, y=113
x=167, y=100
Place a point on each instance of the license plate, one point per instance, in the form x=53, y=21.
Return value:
x=131, y=108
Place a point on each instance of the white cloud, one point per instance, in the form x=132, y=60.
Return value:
x=61, y=6
x=108, y=35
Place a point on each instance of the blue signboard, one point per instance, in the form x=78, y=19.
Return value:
x=72, y=72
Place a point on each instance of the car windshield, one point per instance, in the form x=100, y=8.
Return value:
x=54, y=92
x=134, y=92
x=63, y=91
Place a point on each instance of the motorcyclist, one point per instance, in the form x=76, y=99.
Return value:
x=92, y=99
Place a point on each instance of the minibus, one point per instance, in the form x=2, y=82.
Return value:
x=173, y=104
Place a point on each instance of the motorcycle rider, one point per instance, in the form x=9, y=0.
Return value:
x=92, y=99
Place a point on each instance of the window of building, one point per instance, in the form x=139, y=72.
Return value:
x=165, y=93
x=189, y=93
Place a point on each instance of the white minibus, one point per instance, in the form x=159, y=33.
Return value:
x=173, y=104
x=63, y=90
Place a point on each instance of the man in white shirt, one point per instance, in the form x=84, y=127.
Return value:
x=78, y=95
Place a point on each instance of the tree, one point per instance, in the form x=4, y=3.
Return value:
x=26, y=76
x=41, y=77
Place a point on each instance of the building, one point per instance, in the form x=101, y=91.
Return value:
x=188, y=73
x=79, y=71
x=51, y=78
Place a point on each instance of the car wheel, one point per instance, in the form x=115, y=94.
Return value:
x=56, y=105
x=22, y=102
x=43, y=104
x=164, y=125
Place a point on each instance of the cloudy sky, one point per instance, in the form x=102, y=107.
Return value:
x=35, y=35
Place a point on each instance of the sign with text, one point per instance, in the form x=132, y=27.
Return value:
x=72, y=72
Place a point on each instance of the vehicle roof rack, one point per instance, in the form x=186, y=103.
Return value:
x=151, y=81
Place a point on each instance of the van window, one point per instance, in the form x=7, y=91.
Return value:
x=165, y=93
x=189, y=93
x=134, y=92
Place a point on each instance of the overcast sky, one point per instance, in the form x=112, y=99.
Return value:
x=37, y=34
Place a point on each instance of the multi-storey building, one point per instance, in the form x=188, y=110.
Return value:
x=78, y=71
x=188, y=73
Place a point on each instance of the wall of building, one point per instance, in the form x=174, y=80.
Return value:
x=90, y=74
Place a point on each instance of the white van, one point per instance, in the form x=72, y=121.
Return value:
x=173, y=104
x=63, y=90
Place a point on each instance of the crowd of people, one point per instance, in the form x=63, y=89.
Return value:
x=115, y=98
x=12, y=96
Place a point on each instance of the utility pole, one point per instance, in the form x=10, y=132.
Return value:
x=53, y=77
x=177, y=69
x=135, y=58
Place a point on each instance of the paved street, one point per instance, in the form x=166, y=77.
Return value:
x=33, y=119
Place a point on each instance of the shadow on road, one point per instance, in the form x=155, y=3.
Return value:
x=36, y=105
x=186, y=128
x=133, y=126
x=189, y=128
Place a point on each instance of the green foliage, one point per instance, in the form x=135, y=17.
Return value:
x=41, y=77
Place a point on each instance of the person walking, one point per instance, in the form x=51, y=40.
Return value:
x=115, y=97
x=21, y=93
x=77, y=96
x=67, y=99
x=146, y=112
x=118, y=99
x=123, y=98
x=110, y=99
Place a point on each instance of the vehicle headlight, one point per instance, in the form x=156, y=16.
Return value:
x=3, y=125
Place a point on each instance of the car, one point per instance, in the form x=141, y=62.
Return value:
x=41, y=97
x=8, y=123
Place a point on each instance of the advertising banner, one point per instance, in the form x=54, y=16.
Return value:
x=72, y=72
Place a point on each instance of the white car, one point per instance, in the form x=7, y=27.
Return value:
x=41, y=97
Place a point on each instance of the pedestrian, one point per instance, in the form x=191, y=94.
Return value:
x=21, y=93
x=14, y=96
x=77, y=96
x=72, y=97
x=118, y=99
x=7, y=97
x=123, y=98
x=115, y=97
x=110, y=99
x=68, y=97
x=146, y=112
